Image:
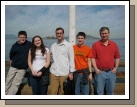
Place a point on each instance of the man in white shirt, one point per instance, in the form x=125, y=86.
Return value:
x=63, y=63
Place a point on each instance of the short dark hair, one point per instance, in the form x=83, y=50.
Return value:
x=104, y=28
x=60, y=28
x=22, y=33
x=81, y=34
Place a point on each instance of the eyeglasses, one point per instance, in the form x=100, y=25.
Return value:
x=59, y=33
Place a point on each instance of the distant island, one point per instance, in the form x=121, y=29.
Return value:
x=49, y=37
x=10, y=36
x=91, y=37
x=52, y=37
x=87, y=37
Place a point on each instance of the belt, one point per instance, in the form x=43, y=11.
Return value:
x=106, y=70
x=81, y=71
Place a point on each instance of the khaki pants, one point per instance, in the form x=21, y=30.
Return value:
x=56, y=84
x=13, y=80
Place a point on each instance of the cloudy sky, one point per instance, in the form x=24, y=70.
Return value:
x=44, y=19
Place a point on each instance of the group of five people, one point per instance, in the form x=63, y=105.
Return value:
x=73, y=62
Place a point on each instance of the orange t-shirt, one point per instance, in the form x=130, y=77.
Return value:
x=81, y=55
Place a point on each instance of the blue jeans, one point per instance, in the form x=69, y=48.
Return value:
x=80, y=88
x=38, y=88
x=105, y=80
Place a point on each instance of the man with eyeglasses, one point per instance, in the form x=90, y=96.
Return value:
x=63, y=63
x=18, y=63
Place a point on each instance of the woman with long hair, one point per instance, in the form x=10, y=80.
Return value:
x=39, y=61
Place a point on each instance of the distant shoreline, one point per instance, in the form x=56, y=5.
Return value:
x=12, y=36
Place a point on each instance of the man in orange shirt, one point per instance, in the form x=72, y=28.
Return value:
x=83, y=73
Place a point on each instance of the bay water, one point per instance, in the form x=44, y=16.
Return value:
x=49, y=42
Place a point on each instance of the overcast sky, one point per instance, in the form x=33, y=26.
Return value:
x=44, y=19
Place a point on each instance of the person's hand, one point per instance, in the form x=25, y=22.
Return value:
x=114, y=70
x=39, y=74
x=90, y=77
x=70, y=76
x=34, y=73
x=98, y=71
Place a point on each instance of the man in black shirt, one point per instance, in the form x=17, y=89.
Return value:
x=18, y=63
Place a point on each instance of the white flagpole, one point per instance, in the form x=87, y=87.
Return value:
x=72, y=26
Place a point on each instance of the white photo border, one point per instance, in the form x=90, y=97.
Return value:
x=126, y=3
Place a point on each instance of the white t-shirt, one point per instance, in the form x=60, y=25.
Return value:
x=39, y=61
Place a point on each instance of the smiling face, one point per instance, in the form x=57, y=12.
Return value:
x=37, y=42
x=80, y=40
x=104, y=35
x=21, y=38
x=60, y=35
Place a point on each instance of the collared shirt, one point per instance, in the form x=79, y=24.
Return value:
x=105, y=55
x=63, y=59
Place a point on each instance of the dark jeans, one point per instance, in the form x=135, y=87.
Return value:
x=38, y=87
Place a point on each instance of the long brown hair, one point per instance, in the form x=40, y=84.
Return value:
x=33, y=47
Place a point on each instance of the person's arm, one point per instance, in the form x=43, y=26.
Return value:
x=71, y=62
x=89, y=65
x=11, y=54
x=30, y=64
x=10, y=62
x=47, y=60
x=116, y=65
x=93, y=59
x=90, y=68
x=46, y=65
x=95, y=66
x=117, y=58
